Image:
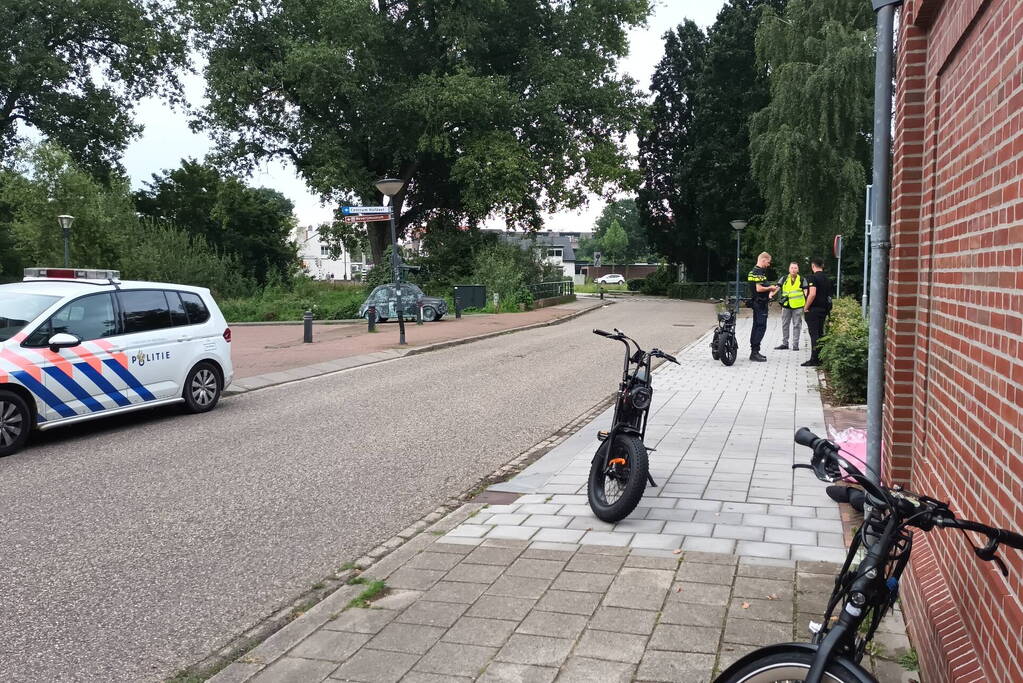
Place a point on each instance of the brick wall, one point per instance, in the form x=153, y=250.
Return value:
x=953, y=423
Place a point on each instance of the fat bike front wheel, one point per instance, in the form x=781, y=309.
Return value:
x=618, y=478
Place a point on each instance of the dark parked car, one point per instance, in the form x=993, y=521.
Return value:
x=385, y=299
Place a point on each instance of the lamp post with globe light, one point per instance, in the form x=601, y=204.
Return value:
x=65, y=222
x=390, y=187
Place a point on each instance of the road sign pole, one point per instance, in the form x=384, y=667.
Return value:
x=396, y=270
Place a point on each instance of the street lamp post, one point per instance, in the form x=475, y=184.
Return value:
x=390, y=187
x=738, y=226
x=65, y=222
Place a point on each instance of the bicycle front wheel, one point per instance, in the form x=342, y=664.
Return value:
x=616, y=482
x=728, y=348
x=782, y=667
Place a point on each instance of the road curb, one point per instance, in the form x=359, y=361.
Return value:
x=274, y=379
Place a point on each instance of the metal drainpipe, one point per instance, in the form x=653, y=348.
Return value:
x=879, y=233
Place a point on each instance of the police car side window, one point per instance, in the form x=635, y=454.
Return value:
x=144, y=310
x=197, y=311
x=177, y=309
x=90, y=317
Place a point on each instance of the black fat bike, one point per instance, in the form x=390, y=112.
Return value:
x=864, y=592
x=723, y=346
x=620, y=469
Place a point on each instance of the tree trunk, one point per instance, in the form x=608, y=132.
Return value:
x=379, y=239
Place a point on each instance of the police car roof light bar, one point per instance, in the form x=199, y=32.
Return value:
x=73, y=274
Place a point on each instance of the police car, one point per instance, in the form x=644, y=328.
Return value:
x=77, y=344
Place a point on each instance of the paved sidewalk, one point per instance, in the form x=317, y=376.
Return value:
x=266, y=355
x=733, y=551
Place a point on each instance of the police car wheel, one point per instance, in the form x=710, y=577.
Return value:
x=202, y=388
x=15, y=422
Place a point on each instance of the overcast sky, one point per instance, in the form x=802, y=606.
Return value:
x=167, y=138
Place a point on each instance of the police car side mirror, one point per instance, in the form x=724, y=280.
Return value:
x=63, y=340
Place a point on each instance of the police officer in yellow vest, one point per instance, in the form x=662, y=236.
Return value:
x=792, y=299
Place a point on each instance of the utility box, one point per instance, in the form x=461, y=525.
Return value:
x=470, y=296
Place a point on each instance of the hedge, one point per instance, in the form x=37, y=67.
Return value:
x=699, y=290
x=844, y=352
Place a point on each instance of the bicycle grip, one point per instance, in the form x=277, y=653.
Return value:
x=603, y=333
x=1010, y=538
x=671, y=358
x=804, y=437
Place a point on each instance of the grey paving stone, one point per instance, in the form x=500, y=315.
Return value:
x=474, y=573
x=762, y=571
x=622, y=620
x=489, y=555
x=466, y=532
x=706, y=573
x=790, y=536
x=639, y=588
x=618, y=647
x=540, y=509
x=718, y=517
x=645, y=561
x=519, y=586
x=688, y=529
x=455, y=591
x=814, y=583
x=433, y=613
x=518, y=533
x=582, y=581
x=504, y=672
x=697, y=504
x=687, y=638
x=374, y=666
x=597, y=549
x=456, y=659
x=501, y=607
x=640, y=525
x=606, y=538
x=739, y=532
x=758, y=549
x=595, y=564
x=692, y=614
x=763, y=610
x=590, y=523
x=237, y=672
x=709, y=545
x=658, y=665
x=334, y=646
x=731, y=653
x=745, y=508
x=699, y=593
x=585, y=670
x=830, y=540
x=410, y=638
x=535, y=650
x=656, y=541
x=361, y=620
x=534, y=552
x=415, y=579
x=711, y=557
x=531, y=568
x=430, y=560
x=396, y=600
x=415, y=676
x=552, y=624
x=795, y=511
x=475, y=631
x=671, y=515
x=754, y=632
x=817, y=567
x=569, y=602
x=558, y=535
x=287, y=669
x=772, y=521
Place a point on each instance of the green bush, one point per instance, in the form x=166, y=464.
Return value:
x=844, y=352
x=636, y=284
x=658, y=281
x=279, y=301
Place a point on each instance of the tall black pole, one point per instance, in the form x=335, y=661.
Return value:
x=879, y=232
x=396, y=272
x=738, y=239
x=67, y=249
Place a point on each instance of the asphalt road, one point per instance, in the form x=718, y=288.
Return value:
x=132, y=547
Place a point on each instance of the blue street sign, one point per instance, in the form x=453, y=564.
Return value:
x=363, y=210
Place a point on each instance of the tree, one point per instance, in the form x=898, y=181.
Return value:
x=254, y=223
x=74, y=70
x=615, y=243
x=480, y=107
x=625, y=212
x=694, y=145
x=811, y=145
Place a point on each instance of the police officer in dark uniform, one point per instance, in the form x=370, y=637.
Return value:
x=817, y=308
x=760, y=293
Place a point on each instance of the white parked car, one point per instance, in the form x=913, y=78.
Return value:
x=78, y=344
x=610, y=279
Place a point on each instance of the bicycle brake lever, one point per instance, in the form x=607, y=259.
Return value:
x=988, y=554
x=802, y=467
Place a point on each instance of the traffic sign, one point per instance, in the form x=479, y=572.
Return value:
x=371, y=218
x=364, y=210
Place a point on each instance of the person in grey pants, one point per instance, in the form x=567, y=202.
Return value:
x=792, y=297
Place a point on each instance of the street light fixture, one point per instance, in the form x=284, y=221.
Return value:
x=738, y=226
x=65, y=221
x=390, y=187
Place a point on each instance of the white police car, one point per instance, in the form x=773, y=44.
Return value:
x=78, y=344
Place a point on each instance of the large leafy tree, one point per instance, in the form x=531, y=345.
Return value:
x=694, y=147
x=626, y=213
x=73, y=70
x=811, y=145
x=485, y=107
x=256, y=224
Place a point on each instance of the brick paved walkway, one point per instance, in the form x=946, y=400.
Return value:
x=726, y=555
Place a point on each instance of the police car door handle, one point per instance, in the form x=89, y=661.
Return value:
x=184, y=338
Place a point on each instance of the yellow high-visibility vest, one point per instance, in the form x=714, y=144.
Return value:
x=792, y=294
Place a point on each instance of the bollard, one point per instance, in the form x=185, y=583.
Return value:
x=458, y=308
x=307, y=322
x=371, y=318
x=496, y=300
x=601, y=293
x=419, y=313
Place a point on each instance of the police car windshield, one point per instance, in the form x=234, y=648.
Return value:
x=18, y=309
